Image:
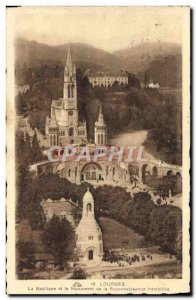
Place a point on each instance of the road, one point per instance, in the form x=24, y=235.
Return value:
x=134, y=138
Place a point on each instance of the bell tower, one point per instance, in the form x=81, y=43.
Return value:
x=100, y=133
x=70, y=91
x=88, y=206
x=64, y=111
x=70, y=87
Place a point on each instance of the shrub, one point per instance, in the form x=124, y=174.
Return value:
x=79, y=273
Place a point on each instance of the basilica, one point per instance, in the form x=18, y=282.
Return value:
x=63, y=126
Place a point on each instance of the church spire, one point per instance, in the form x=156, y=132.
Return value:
x=100, y=116
x=70, y=85
x=69, y=64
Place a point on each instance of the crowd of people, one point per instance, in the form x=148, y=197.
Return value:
x=122, y=259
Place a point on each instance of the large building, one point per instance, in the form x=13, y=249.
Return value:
x=102, y=79
x=89, y=242
x=63, y=127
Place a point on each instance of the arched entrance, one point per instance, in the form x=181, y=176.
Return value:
x=48, y=170
x=170, y=173
x=178, y=174
x=145, y=172
x=71, y=131
x=133, y=169
x=90, y=255
x=155, y=171
x=91, y=171
x=64, y=173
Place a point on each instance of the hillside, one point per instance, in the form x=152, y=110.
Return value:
x=117, y=235
x=35, y=54
x=161, y=60
x=166, y=70
x=139, y=57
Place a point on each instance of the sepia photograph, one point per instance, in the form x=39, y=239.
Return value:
x=98, y=137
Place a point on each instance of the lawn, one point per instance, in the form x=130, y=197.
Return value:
x=116, y=235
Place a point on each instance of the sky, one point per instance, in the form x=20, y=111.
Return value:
x=106, y=28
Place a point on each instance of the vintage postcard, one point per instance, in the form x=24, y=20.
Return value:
x=98, y=139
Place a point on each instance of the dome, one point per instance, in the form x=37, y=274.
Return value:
x=88, y=224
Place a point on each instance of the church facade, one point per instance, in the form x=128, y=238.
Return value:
x=89, y=242
x=63, y=127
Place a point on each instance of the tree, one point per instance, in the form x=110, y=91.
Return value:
x=115, y=84
x=165, y=225
x=133, y=81
x=159, y=201
x=179, y=245
x=112, y=201
x=79, y=273
x=58, y=238
x=36, y=154
x=26, y=250
x=32, y=190
x=146, y=79
x=140, y=209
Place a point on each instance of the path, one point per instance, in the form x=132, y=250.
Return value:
x=105, y=270
x=134, y=138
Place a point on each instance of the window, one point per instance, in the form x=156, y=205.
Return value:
x=98, y=139
x=90, y=255
x=71, y=131
x=69, y=91
x=107, y=171
x=90, y=237
x=88, y=175
x=54, y=140
x=101, y=138
x=72, y=91
x=89, y=207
